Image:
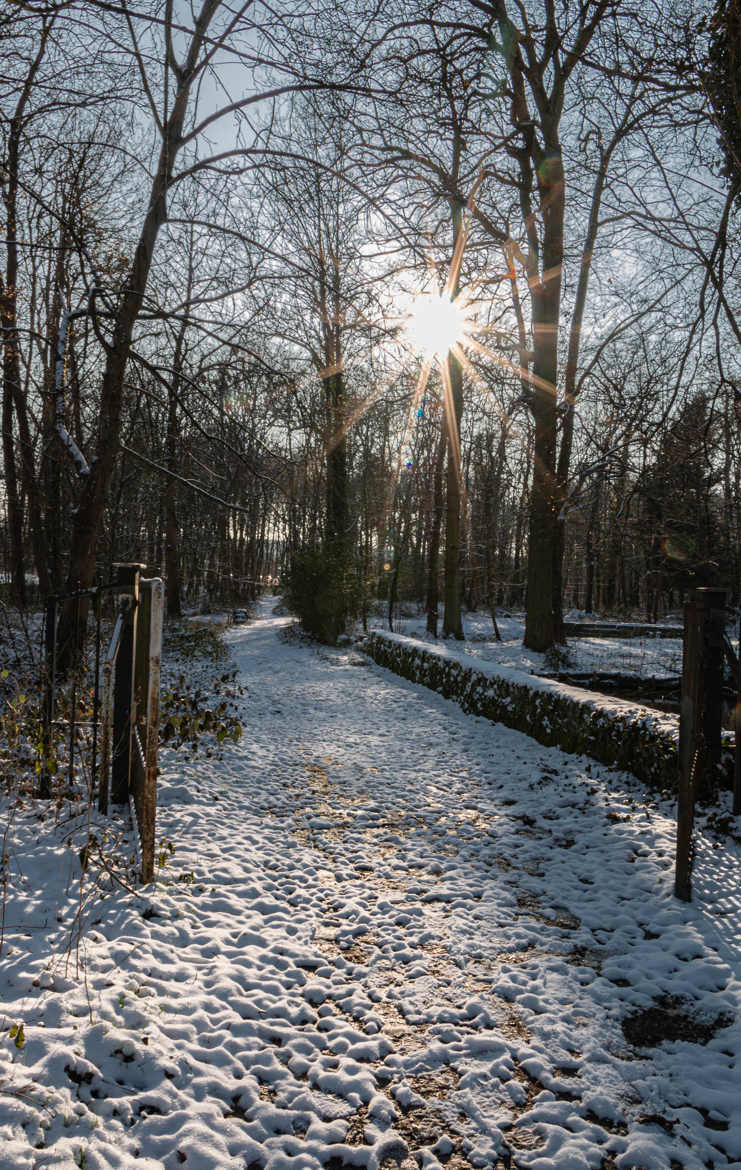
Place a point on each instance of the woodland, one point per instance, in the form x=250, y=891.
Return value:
x=389, y=301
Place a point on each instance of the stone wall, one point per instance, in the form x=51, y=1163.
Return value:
x=612, y=731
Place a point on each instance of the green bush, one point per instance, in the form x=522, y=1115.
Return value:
x=324, y=590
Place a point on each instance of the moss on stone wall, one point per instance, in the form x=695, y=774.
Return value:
x=621, y=734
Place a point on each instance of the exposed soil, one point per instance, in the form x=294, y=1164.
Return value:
x=670, y=1018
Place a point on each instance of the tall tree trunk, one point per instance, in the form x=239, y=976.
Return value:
x=337, y=524
x=539, y=624
x=492, y=510
x=546, y=303
x=433, y=551
x=591, y=552
x=91, y=508
x=12, y=388
x=51, y=478
x=172, y=560
x=337, y=538
x=13, y=507
x=172, y=532
x=570, y=388
x=452, y=623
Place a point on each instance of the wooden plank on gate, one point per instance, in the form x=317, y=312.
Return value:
x=737, y=729
x=141, y=656
x=734, y=662
x=123, y=688
x=148, y=813
x=106, y=714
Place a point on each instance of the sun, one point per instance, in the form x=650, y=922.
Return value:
x=436, y=323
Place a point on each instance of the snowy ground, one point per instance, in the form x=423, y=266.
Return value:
x=646, y=656
x=390, y=935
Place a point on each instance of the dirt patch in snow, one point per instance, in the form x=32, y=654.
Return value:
x=668, y=1019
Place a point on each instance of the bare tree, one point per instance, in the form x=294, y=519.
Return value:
x=174, y=62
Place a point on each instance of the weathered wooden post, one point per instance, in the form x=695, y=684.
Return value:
x=146, y=716
x=127, y=580
x=700, y=720
x=687, y=754
x=737, y=729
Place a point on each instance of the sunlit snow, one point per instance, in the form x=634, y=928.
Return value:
x=408, y=934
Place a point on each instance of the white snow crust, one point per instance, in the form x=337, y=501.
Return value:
x=411, y=937
x=646, y=656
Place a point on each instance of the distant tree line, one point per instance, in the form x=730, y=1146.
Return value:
x=214, y=231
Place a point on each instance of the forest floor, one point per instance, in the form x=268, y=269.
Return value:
x=643, y=656
x=384, y=934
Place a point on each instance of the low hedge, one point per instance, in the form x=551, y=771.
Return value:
x=613, y=731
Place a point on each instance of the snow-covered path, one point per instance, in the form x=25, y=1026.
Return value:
x=411, y=938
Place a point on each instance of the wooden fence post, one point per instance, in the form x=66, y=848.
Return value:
x=700, y=720
x=127, y=579
x=149, y=650
x=687, y=753
x=737, y=729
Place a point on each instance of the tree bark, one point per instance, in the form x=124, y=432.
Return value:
x=539, y=621
x=337, y=523
x=12, y=389
x=91, y=507
x=13, y=506
x=436, y=521
x=452, y=622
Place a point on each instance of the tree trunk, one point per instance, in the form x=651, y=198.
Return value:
x=433, y=552
x=591, y=553
x=172, y=563
x=452, y=623
x=337, y=524
x=91, y=509
x=539, y=625
x=172, y=532
x=12, y=355
x=13, y=506
x=12, y=393
x=337, y=542
x=51, y=478
x=89, y=516
x=540, y=629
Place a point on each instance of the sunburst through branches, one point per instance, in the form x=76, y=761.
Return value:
x=437, y=323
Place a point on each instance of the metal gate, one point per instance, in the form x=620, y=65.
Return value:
x=122, y=704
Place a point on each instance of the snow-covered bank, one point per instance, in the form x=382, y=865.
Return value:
x=644, y=656
x=389, y=933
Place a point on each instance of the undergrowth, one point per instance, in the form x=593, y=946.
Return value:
x=95, y=855
x=194, y=642
x=199, y=709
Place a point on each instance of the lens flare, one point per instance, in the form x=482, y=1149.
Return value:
x=437, y=323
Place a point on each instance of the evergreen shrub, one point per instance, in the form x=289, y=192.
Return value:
x=324, y=590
